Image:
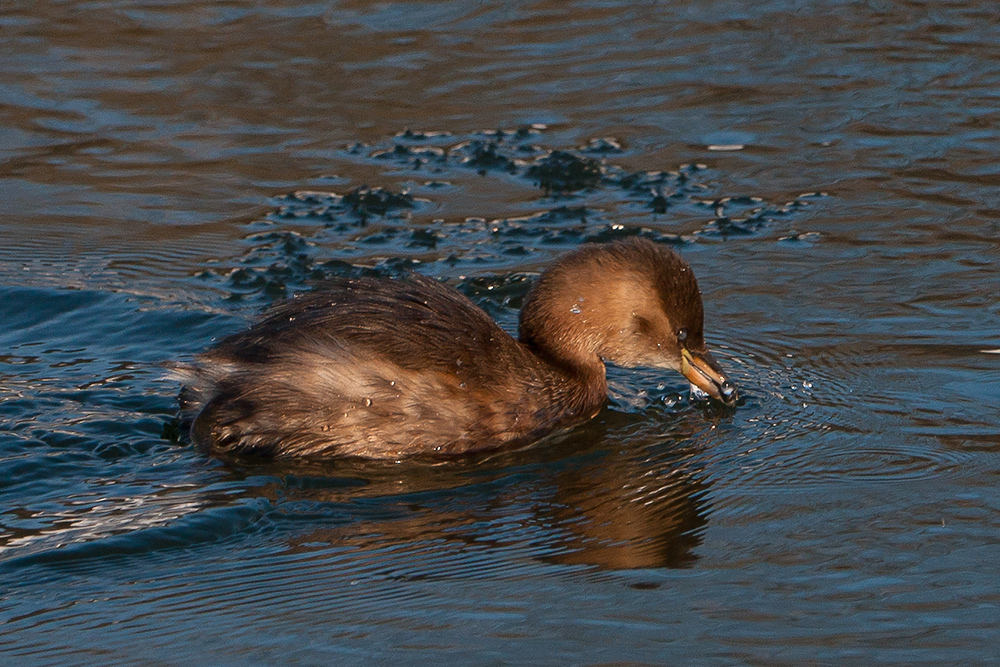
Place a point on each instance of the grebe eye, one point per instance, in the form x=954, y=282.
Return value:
x=682, y=335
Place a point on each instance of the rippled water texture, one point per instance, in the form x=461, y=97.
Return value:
x=169, y=168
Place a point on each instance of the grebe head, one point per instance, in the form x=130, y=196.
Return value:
x=631, y=303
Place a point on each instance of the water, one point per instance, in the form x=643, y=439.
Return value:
x=829, y=170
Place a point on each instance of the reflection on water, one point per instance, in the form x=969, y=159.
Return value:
x=603, y=509
x=169, y=169
x=621, y=514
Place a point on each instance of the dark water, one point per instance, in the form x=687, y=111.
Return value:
x=829, y=169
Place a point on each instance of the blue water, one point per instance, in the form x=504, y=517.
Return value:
x=170, y=169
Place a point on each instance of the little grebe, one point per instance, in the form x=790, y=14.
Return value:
x=387, y=368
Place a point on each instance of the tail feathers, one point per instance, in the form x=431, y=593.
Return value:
x=228, y=424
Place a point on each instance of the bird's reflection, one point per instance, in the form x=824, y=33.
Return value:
x=620, y=513
x=638, y=504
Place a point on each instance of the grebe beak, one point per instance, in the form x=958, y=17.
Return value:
x=704, y=374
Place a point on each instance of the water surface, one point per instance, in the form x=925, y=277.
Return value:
x=170, y=168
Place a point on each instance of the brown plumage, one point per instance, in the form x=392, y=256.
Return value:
x=387, y=368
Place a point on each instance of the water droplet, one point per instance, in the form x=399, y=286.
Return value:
x=575, y=309
x=697, y=394
x=368, y=402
